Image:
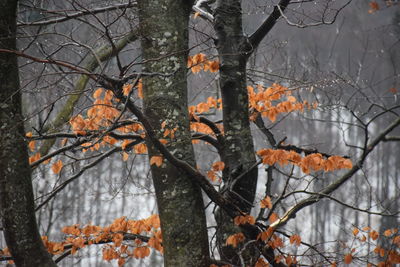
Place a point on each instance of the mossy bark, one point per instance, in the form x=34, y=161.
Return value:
x=16, y=195
x=164, y=33
x=91, y=63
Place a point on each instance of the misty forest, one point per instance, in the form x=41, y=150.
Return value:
x=200, y=133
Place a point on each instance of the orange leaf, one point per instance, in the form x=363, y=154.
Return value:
x=212, y=176
x=189, y=62
x=125, y=156
x=374, y=6
x=108, y=95
x=348, y=258
x=277, y=242
x=163, y=141
x=218, y=166
x=47, y=161
x=261, y=263
x=291, y=99
x=141, y=252
x=273, y=217
x=235, y=239
x=238, y=220
x=166, y=132
x=140, y=89
x=374, y=235
x=98, y=93
x=57, y=166
x=295, y=239
x=266, y=234
x=366, y=228
x=290, y=260
x=266, y=203
x=121, y=261
x=157, y=160
x=214, y=66
x=34, y=158
x=28, y=134
x=199, y=58
x=202, y=107
x=363, y=238
x=140, y=148
x=355, y=231
x=382, y=252
x=388, y=232
x=124, y=144
x=127, y=88
x=31, y=145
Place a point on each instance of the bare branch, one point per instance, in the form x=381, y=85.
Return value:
x=291, y=213
x=67, y=16
x=322, y=22
x=267, y=25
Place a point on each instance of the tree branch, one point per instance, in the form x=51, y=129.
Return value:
x=199, y=178
x=267, y=25
x=291, y=213
x=68, y=16
x=92, y=62
x=126, y=236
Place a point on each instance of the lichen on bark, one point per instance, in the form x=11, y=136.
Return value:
x=164, y=40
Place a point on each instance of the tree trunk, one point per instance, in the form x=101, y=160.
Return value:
x=239, y=149
x=16, y=195
x=164, y=31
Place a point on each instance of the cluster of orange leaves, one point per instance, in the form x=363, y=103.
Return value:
x=391, y=256
x=262, y=101
x=272, y=240
x=56, y=167
x=103, y=114
x=127, y=88
x=204, y=107
x=200, y=62
x=113, y=234
x=311, y=162
x=215, y=169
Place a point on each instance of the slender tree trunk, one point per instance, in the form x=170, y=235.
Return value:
x=16, y=196
x=164, y=30
x=239, y=149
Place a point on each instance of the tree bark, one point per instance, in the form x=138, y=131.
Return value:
x=239, y=148
x=164, y=33
x=16, y=194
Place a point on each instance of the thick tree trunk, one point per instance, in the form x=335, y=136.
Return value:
x=239, y=149
x=164, y=30
x=16, y=195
